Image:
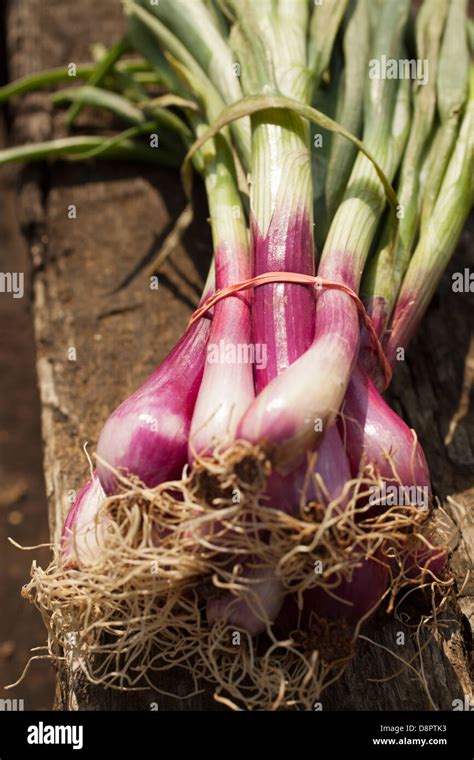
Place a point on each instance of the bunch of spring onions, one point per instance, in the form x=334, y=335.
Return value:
x=324, y=151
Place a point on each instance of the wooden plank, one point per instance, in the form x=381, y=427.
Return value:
x=120, y=334
x=22, y=500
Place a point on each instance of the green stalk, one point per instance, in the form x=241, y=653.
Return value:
x=439, y=236
x=428, y=162
x=120, y=106
x=349, y=113
x=132, y=88
x=383, y=278
x=105, y=65
x=50, y=77
x=196, y=83
x=146, y=128
x=144, y=41
x=149, y=78
x=225, y=206
x=273, y=55
x=281, y=167
x=171, y=46
x=386, y=114
x=375, y=10
x=82, y=145
x=254, y=104
x=470, y=33
x=452, y=94
x=96, y=97
x=193, y=24
x=328, y=100
x=325, y=22
x=219, y=17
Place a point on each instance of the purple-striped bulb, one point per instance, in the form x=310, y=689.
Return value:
x=80, y=538
x=255, y=608
x=147, y=435
x=376, y=436
x=357, y=597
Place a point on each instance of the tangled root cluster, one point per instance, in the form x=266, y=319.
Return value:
x=139, y=607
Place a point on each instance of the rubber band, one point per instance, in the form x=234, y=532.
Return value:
x=300, y=279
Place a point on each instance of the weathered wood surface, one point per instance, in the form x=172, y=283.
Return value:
x=121, y=331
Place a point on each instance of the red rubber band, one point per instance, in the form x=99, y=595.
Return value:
x=300, y=279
